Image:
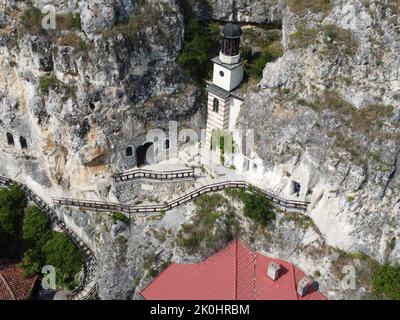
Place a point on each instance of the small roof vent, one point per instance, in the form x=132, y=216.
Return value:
x=273, y=270
x=303, y=286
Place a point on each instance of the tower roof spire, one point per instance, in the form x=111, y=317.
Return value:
x=231, y=31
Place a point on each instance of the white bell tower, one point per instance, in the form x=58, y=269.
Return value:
x=223, y=105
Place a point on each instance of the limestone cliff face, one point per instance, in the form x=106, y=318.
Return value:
x=329, y=113
x=80, y=95
x=326, y=113
x=267, y=11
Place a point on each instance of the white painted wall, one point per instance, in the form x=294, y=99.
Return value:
x=231, y=78
x=234, y=109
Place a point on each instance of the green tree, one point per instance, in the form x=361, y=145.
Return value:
x=32, y=262
x=12, y=202
x=259, y=209
x=201, y=44
x=36, y=228
x=64, y=256
x=386, y=281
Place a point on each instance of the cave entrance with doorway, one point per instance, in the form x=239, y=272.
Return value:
x=145, y=154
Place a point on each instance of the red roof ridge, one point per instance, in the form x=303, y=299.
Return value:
x=7, y=287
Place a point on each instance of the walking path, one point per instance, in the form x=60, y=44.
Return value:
x=88, y=287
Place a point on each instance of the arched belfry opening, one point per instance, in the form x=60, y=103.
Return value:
x=10, y=139
x=230, y=43
x=23, y=142
x=145, y=154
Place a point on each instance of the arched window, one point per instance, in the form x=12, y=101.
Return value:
x=10, y=139
x=166, y=144
x=24, y=144
x=216, y=105
x=129, y=152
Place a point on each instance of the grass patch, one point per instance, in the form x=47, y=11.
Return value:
x=336, y=40
x=46, y=83
x=68, y=21
x=213, y=225
x=270, y=49
x=119, y=216
x=137, y=21
x=386, y=282
x=303, y=37
x=300, y=220
x=256, y=207
x=364, y=265
x=73, y=40
x=31, y=21
x=300, y=7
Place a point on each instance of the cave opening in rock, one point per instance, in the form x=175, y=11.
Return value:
x=145, y=154
x=23, y=142
x=129, y=152
x=296, y=187
x=92, y=106
x=10, y=139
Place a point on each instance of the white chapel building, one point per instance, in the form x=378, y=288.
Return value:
x=224, y=104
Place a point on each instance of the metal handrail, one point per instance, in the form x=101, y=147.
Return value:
x=90, y=259
x=156, y=175
x=106, y=206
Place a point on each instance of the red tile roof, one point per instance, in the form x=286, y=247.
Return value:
x=13, y=285
x=234, y=273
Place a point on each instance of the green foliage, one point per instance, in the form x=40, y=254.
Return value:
x=256, y=207
x=224, y=142
x=31, y=20
x=46, y=83
x=12, y=203
x=301, y=6
x=119, y=216
x=335, y=39
x=36, y=228
x=386, y=281
x=255, y=63
x=259, y=209
x=69, y=92
x=61, y=253
x=148, y=16
x=32, y=262
x=303, y=37
x=204, y=233
x=300, y=220
x=68, y=21
x=40, y=244
x=201, y=44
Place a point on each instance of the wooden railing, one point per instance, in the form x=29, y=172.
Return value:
x=88, y=288
x=110, y=206
x=156, y=175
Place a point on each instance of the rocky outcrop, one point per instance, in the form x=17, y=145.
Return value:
x=79, y=94
x=326, y=116
x=264, y=12
x=328, y=111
